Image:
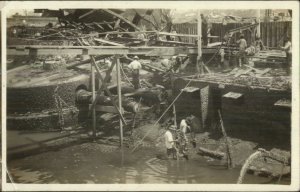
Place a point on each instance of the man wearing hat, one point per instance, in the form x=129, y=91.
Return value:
x=169, y=142
x=135, y=67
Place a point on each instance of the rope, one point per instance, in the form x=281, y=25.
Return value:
x=163, y=113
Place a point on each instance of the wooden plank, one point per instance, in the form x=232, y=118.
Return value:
x=88, y=13
x=119, y=97
x=214, y=154
x=94, y=118
x=264, y=71
x=185, y=35
x=107, y=75
x=124, y=32
x=122, y=18
x=106, y=50
x=107, y=42
x=228, y=143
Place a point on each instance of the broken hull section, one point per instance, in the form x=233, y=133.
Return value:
x=254, y=109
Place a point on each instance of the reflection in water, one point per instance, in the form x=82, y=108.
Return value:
x=74, y=165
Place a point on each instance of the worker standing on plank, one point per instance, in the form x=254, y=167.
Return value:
x=242, y=43
x=169, y=142
x=135, y=67
x=288, y=50
x=193, y=123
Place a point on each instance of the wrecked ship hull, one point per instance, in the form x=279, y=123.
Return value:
x=253, y=106
x=33, y=106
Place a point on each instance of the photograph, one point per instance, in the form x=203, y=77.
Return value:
x=127, y=95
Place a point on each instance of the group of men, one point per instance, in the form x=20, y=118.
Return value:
x=176, y=139
x=258, y=45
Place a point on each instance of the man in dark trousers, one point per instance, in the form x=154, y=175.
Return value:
x=242, y=44
x=135, y=67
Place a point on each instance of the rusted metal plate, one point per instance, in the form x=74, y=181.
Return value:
x=204, y=101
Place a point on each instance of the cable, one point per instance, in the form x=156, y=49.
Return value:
x=164, y=112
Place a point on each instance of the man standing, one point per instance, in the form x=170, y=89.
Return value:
x=242, y=43
x=169, y=142
x=183, y=128
x=288, y=51
x=135, y=67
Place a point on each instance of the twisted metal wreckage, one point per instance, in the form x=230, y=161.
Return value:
x=99, y=34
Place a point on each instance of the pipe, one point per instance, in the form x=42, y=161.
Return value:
x=85, y=97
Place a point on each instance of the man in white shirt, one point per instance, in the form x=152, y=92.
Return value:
x=169, y=142
x=288, y=50
x=183, y=128
x=135, y=67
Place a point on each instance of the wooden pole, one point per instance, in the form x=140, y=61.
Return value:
x=199, y=58
x=258, y=20
x=174, y=113
x=228, y=150
x=93, y=98
x=119, y=97
x=174, y=108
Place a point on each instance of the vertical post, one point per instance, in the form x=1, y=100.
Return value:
x=258, y=20
x=119, y=97
x=174, y=108
x=199, y=58
x=93, y=98
x=174, y=113
x=227, y=142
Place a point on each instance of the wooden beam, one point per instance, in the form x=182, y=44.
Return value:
x=125, y=32
x=215, y=154
x=227, y=142
x=107, y=90
x=122, y=18
x=88, y=13
x=98, y=25
x=104, y=50
x=184, y=35
x=117, y=61
x=108, y=72
x=108, y=42
x=93, y=98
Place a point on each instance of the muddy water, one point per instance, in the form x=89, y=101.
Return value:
x=96, y=163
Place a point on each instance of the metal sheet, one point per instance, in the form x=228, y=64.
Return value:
x=204, y=101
